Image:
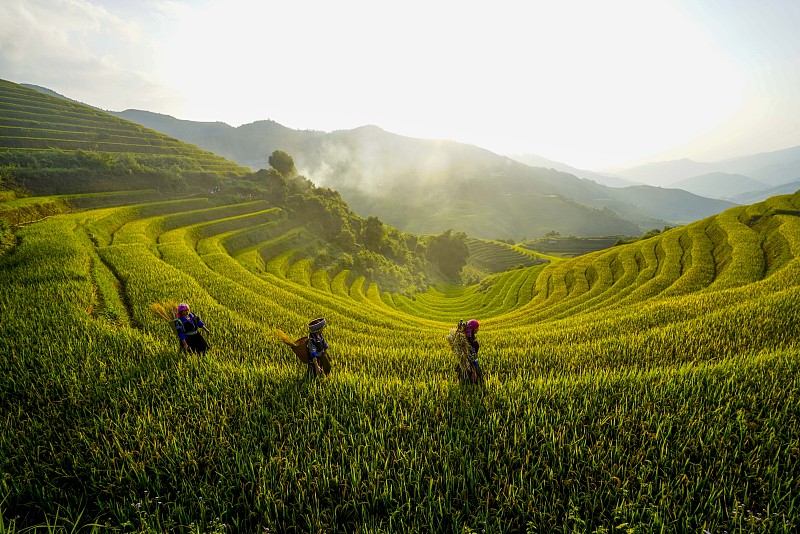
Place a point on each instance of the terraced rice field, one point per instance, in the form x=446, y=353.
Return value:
x=495, y=256
x=650, y=387
x=37, y=122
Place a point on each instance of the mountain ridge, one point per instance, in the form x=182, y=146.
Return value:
x=607, y=179
x=372, y=168
x=720, y=185
x=774, y=168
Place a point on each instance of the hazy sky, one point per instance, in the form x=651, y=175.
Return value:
x=591, y=83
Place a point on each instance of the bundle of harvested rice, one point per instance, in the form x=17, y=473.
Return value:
x=299, y=347
x=167, y=311
x=458, y=342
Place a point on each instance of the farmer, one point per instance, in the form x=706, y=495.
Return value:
x=317, y=347
x=473, y=373
x=188, y=326
x=465, y=348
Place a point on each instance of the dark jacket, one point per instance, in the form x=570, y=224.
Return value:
x=187, y=326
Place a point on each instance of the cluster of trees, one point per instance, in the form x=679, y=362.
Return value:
x=449, y=252
x=395, y=259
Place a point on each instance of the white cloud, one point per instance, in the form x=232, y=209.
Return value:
x=81, y=50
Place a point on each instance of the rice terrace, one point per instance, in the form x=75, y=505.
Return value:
x=651, y=386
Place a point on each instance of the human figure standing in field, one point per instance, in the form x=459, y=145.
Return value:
x=470, y=330
x=312, y=350
x=188, y=326
x=465, y=345
x=317, y=348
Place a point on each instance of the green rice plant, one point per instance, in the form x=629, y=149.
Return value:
x=356, y=291
x=321, y=280
x=496, y=256
x=622, y=392
x=278, y=265
x=300, y=272
x=339, y=284
x=668, y=254
x=747, y=257
x=700, y=272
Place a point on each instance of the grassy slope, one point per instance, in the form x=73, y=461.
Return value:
x=649, y=386
x=43, y=138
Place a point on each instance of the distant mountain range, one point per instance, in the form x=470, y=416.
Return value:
x=610, y=180
x=758, y=196
x=728, y=179
x=425, y=186
x=711, y=184
x=771, y=168
x=745, y=179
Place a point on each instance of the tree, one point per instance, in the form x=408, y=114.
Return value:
x=449, y=252
x=283, y=163
x=372, y=233
x=346, y=240
x=275, y=184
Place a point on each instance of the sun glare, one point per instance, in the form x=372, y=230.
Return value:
x=583, y=82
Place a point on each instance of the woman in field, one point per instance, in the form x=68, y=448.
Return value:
x=470, y=330
x=188, y=326
x=465, y=345
x=317, y=348
x=312, y=349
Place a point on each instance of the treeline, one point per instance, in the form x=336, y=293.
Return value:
x=56, y=171
x=647, y=235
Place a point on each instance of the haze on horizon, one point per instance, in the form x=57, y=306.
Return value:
x=590, y=84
